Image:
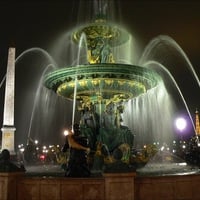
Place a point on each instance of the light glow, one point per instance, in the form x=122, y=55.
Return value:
x=181, y=124
x=66, y=132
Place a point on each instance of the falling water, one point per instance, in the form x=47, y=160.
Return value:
x=74, y=102
x=156, y=45
x=64, y=51
x=149, y=116
x=148, y=119
x=155, y=64
x=82, y=44
x=149, y=113
x=44, y=101
x=2, y=81
x=37, y=97
x=39, y=50
x=31, y=50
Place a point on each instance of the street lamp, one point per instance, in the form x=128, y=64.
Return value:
x=66, y=132
x=181, y=125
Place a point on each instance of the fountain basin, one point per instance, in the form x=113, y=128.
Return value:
x=103, y=81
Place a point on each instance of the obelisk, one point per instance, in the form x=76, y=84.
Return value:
x=8, y=129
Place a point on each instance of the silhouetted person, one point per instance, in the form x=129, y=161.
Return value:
x=6, y=165
x=30, y=152
x=77, y=164
x=64, y=154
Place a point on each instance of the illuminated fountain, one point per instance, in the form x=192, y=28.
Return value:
x=122, y=106
x=117, y=99
x=101, y=87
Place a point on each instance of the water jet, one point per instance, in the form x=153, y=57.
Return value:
x=118, y=104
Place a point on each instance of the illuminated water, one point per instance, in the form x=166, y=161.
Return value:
x=43, y=115
x=165, y=163
x=165, y=45
x=159, y=65
x=35, y=104
x=82, y=43
x=150, y=103
x=45, y=170
x=38, y=96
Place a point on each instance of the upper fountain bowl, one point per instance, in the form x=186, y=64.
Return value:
x=101, y=79
x=101, y=82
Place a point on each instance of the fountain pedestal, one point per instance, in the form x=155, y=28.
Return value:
x=8, y=139
x=112, y=186
x=119, y=186
x=8, y=185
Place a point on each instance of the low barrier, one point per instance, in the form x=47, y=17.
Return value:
x=18, y=186
x=111, y=186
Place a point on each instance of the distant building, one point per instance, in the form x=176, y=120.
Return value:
x=197, y=128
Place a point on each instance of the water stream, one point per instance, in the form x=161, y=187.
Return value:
x=154, y=51
x=155, y=65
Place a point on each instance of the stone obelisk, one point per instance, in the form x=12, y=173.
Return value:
x=8, y=129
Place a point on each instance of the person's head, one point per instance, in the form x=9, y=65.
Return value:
x=5, y=154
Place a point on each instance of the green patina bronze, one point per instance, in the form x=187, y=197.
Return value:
x=106, y=81
x=102, y=86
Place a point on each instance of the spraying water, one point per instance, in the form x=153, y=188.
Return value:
x=148, y=119
x=37, y=50
x=37, y=97
x=82, y=43
x=155, y=64
x=149, y=116
x=31, y=50
x=160, y=43
x=44, y=101
x=2, y=81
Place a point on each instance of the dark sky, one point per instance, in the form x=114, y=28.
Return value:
x=26, y=24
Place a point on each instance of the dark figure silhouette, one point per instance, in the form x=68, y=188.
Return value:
x=6, y=165
x=77, y=164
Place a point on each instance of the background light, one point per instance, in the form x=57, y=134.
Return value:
x=66, y=132
x=181, y=124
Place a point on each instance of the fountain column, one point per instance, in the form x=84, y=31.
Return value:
x=8, y=129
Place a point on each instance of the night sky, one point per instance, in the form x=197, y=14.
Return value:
x=27, y=24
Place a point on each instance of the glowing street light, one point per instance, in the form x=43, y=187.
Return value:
x=181, y=124
x=66, y=132
x=36, y=142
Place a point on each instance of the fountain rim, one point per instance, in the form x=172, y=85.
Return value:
x=143, y=78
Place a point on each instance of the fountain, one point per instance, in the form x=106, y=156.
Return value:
x=105, y=88
x=119, y=104
x=113, y=95
x=101, y=87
